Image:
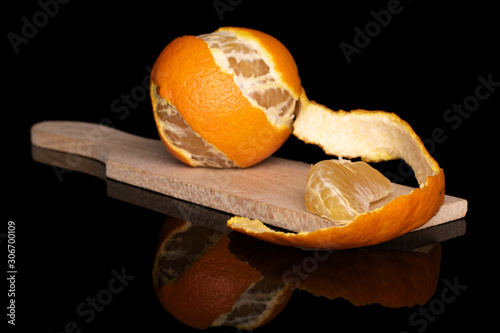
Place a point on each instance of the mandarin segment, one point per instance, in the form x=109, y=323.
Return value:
x=339, y=190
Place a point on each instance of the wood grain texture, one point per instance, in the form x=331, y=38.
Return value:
x=271, y=191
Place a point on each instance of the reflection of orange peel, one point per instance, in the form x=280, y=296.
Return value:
x=374, y=136
x=391, y=278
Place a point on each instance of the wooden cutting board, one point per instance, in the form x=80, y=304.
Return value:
x=271, y=191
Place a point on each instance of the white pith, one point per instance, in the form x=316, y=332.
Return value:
x=178, y=134
x=230, y=51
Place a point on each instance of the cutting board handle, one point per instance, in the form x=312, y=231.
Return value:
x=80, y=138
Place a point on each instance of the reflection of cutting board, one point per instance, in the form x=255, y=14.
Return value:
x=271, y=191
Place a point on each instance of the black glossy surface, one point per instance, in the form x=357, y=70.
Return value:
x=75, y=232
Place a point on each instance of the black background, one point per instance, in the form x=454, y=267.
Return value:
x=70, y=235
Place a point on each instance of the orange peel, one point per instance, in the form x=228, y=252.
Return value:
x=374, y=136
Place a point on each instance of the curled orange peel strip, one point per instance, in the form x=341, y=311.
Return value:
x=374, y=136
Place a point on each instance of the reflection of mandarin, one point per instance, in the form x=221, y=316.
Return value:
x=201, y=284
x=224, y=99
